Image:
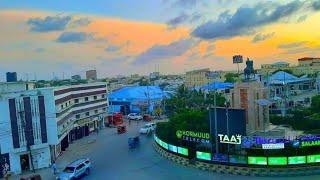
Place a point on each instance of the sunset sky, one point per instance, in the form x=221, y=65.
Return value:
x=123, y=37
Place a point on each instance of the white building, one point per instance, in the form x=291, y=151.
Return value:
x=36, y=125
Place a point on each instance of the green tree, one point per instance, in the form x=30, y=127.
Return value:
x=231, y=77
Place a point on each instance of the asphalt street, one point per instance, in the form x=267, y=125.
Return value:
x=112, y=159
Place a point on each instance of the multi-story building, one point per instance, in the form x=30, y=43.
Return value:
x=306, y=65
x=246, y=95
x=91, y=75
x=36, y=125
x=76, y=77
x=201, y=77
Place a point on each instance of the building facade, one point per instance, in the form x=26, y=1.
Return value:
x=245, y=95
x=37, y=125
x=306, y=65
x=91, y=75
x=201, y=77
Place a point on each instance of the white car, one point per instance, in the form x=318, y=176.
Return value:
x=134, y=116
x=147, y=128
x=75, y=170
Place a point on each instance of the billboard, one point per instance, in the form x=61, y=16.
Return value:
x=236, y=122
x=297, y=160
x=237, y=59
x=257, y=160
x=313, y=158
x=183, y=151
x=277, y=161
x=204, y=156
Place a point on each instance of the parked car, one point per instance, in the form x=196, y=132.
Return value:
x=134, y=116
x=76, y=170
x=147, y=128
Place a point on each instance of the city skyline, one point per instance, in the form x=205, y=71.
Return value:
x=124, y=37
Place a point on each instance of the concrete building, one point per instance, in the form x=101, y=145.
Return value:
x=11, y=87
x=154, y=75
x=306, y=65
x=37, y=125
x=91, y=75
x=288, y=91
x=246, y=95
x=11, y=76
x=202, y=77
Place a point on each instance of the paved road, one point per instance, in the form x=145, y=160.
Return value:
x=112, y=160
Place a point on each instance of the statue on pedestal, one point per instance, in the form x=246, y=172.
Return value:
x=249, y=71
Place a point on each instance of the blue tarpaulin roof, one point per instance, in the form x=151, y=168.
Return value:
x=282, y=77
x=137, y=93
x=216, y=86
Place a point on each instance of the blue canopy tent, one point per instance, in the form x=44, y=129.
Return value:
x=215, y=86
x=135, y=97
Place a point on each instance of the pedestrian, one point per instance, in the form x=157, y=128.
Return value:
x=54, y=167
x=5, y=171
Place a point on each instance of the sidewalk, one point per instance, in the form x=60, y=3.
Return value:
x=76, y=150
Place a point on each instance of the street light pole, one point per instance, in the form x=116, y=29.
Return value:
x=215, y=119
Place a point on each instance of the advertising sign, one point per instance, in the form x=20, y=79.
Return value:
x=257, y=160
x=297, y=160
x=313, y=158
x=204, y=156
x=237, y=59
x=233, y=139
x=183, y=151
x=273, y=146
x=173, y=148
x=310, y=143
x=277, y=161
x=237, y=159
x=192, y=136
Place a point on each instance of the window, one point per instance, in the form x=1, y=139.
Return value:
x=78, y=116
x=102, y=96
x=103, y=109
x=94, y=97
x=96, y=111
x=76, y=101
x=66, y=104
x=86, y=99
x=61, y=106
x=87, y=113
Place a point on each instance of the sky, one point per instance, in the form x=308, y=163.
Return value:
x=42, y=40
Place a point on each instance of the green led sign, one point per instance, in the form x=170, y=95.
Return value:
x=203, y=155
x=310, y=143
x=173, y=148
x=183, y=151
x=257, y=160
x=191, y=136
x=313, y=158
x=276, y=161
x=297, y=160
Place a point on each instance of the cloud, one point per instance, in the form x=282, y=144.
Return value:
x=161, y=52
x=261, y=37
x=316, y=5
x=49, y=23
x=112, y=48
x=245, y=20
x=186, y=3
x=67, y=37
x=302, y=18
x=80, y=22
x=182, y=18
x=292, y=45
